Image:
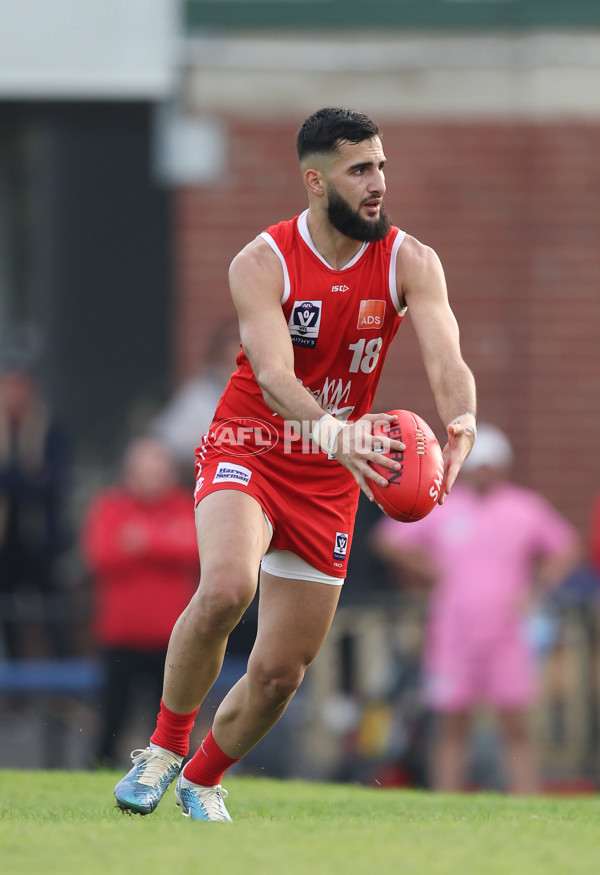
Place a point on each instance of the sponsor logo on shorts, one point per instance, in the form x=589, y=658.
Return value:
x=370, y=314
x=304, y=323
x=243, y=436
x=341, y=545
x=228, y=472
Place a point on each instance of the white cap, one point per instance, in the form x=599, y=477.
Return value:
x=491, y=448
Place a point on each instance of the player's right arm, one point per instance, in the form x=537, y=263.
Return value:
x=256, y=283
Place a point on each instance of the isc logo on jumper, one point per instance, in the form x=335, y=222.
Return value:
x=304, y=323
x=371, y=314
x=341, y=545
x=341, y=288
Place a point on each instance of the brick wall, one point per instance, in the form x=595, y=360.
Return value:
x=513, y=211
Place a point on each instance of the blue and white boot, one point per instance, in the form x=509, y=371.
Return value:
x=201, y=803
x=142, y=788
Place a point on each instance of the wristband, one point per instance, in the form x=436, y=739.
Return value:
x=325, y=432
x=471, y=429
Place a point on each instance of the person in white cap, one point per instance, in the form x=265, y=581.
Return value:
x=484, y=551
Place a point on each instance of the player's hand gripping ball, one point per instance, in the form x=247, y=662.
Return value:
x=413, y=491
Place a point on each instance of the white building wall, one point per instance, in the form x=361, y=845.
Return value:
x=109, y=49
x=537, y=74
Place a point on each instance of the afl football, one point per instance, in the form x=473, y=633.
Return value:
x=412, y=492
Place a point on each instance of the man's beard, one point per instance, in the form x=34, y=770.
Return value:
x=350, y=223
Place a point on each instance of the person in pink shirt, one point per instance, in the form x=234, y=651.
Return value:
x=486, y=551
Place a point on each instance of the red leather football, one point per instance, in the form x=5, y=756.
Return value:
x=413, y=491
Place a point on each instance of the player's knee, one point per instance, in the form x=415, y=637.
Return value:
x=220, y=602
x=277, y=684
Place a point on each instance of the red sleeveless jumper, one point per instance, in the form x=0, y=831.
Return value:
x=341, y=323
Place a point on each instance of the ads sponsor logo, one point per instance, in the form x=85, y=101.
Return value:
x=243, y=436
x=341, y=546
x=304, y=323
x=228, y=472
x=370, y=314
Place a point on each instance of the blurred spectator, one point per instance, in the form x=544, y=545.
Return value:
x=488, y=551
x=595, y=536
x=368, y=578
x=186, y=417
x=139, y=540
x=32, y=485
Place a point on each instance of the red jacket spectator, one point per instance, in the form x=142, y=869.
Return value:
x=595, y=536
x=145, y=562
x=139, y=539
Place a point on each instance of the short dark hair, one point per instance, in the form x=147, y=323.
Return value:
x=325, y=129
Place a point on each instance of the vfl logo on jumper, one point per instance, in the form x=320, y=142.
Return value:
x=232, y=473
x=341, y=545
x=304, y=323
x=371, y=314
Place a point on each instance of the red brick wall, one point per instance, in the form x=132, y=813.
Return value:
x=513, y=211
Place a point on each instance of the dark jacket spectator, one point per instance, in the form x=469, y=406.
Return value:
x=33, y=477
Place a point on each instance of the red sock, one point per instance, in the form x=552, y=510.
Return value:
x=208, y=764
x=173, y=730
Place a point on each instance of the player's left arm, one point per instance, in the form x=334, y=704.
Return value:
x=420, y=278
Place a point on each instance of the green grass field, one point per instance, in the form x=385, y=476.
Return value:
x=65, y=822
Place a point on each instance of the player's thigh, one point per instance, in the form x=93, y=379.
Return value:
x=294, y=617
x=232, y=531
